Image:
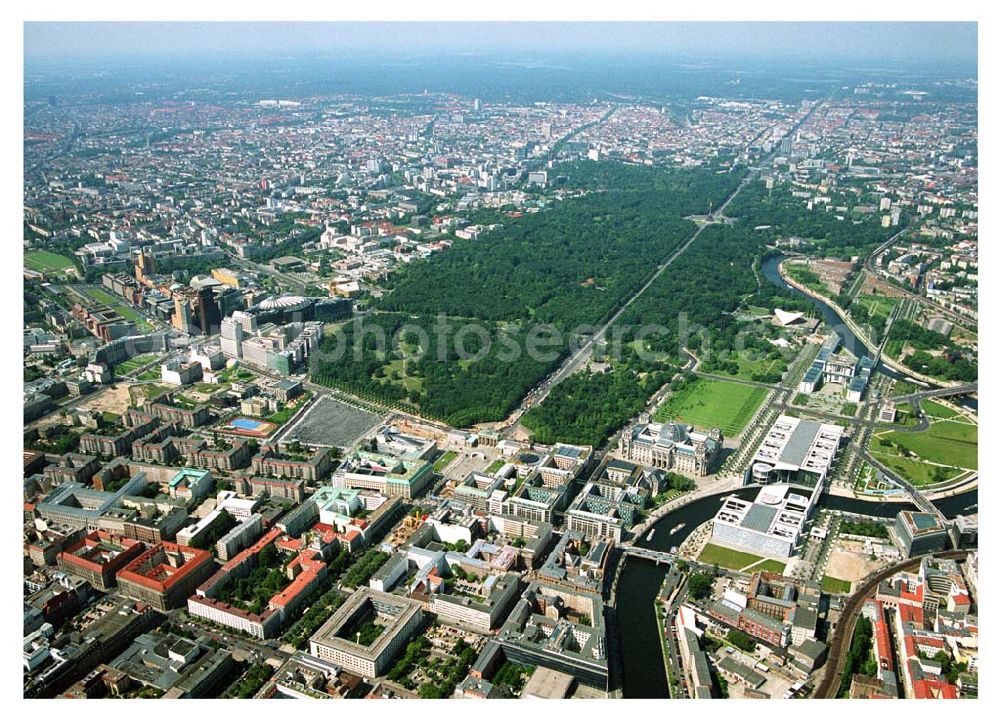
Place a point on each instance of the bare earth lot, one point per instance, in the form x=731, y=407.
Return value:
x=851, y=566
x=109, y=400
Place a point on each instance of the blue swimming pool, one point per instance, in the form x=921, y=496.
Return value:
x=250, y=425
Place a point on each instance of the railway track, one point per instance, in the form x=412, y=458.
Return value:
x=829, y=684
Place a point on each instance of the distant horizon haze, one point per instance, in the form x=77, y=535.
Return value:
x=894, y=45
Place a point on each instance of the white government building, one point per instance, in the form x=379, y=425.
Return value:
x=792, y=464
x=795, y=451
x=768, y=526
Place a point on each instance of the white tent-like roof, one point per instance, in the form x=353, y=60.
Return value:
x=787, y=317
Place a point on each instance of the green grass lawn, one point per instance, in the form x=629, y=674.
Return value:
x=727, y=558
x=102, y=296
x=148, y=391
x=881, y=305
x=905, y=415
x=951, y=443
x=408, y=382
x=808, y=278
x=708, y=403
x=918, y=473
x=444, y=460
x=768, y=566
x=934, y=409
x=44, y=261
x=494, y=466
x=835, y=585
x=290, y=410
x=185, y=402
x=942, y=451
x=127, y=367
x=235, y=373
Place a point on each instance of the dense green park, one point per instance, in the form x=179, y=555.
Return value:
x=537, y=277
x=575, y=261
x=572, y=262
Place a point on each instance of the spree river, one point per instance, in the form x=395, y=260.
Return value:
x=769, y=269
x=643, y=674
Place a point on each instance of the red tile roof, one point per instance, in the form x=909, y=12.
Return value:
x=162, y=576
x=928, y=688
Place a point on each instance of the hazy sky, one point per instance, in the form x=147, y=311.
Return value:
x=861, y=41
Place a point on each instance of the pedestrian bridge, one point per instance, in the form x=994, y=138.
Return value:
x=656, y=556
x=923, y=503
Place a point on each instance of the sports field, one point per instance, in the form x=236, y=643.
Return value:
x=708, y=403
x=46, y=261
x=248, y=427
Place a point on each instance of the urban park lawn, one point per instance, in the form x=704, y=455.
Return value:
x=939, y=411
x=951, y=443
x=727, y=558
x=835, y=585
x=46, y=261
x=768, y=566
x=939, y=453
x=708, y=403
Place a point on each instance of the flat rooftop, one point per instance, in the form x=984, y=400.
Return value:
x=800, y=444
x=777, y=511
x=548, y=684
x=393, y=612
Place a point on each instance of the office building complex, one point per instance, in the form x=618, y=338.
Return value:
x=918, y=533
x=559, y=628
x=384, y=473
x=98, y=557
x=336, y=642
x=282, y=347
x=482, y=608
x=165, y=575
x=795, y=451
x=769, y=526
x=239, y=537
